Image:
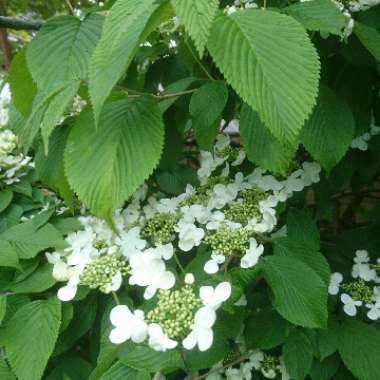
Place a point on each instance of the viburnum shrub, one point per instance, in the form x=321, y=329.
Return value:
x=189, y=189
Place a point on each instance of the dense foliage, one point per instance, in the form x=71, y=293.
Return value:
x=189, y=189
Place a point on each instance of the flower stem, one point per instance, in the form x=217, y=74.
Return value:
x=116, y=298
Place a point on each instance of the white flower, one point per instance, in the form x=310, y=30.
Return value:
x=158, y=340
x=223, y=194
x=252, y=254
x=311, y=171
x=215, y=220
x=208, y=164
x=115, y=283
x=168, y=205
x=189, y=235
x=165, y=251
x=361, y=256
x=212, y=266
x=335, y=281
x=127, y=325
x=67, y=293
x=150, y=271
x=222, y=141
x=189, y=279
x=233, y=374
x=363, y=271
x=240, y=158
x=131, y=242
x=269, y=373
x=196, y=212
x=374, y=311
x=256, y=358
x=201, y=334
x=350, y=305
x=61, y=271
x=215, y=297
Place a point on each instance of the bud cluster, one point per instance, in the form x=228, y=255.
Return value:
x=359, y=291
x=160, y=229
x=175, y=311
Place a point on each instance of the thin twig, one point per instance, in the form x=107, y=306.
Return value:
x=20, y=24
x=70, y=7
x=163, y=96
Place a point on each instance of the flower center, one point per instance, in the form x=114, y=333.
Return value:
x=160, y=228
x=359, y=291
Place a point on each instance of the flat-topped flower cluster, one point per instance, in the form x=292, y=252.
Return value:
x=228, y=212
x=362, y=291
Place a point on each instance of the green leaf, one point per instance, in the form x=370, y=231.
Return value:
x=369, y=37
x=120, y=371
x=30, y=337
x=50, y=168
x=325, y=369
x=3, y=307
x=206, y=107
x=320, y=15
x=123, y=31
x=197, y=16
x=261, y=146
x=5, y=371
x=22, y=86
x=129, y=140
x=298, y=355
x=330, y=130
x=61, y=51
x=269, y=60
x=359, y=345
x=143, y=358
x=328, y=339
x=265, y=329
x=300, y=295
x=28, y=240
x=39, y=281
x=8, y=255
x=6, y=197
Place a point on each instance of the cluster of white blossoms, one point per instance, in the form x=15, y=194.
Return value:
x=13, y=164
x=241, y=4
x=361, y=291
x=257, y=361
x=361, y=142
x=228, y=212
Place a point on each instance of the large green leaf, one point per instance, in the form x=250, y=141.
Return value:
x=30, y=336
x=359, y=347
x=120, y=371
x=50, y=168
x=300, y=295
x=22, y=86
x=298, y=355
x=369, y=37
x=329, y=132
x=8, y=255
x=206, y=107
x=6, y=197
x=123, y=31
x=5, y=371
x=269, y=60
x=197, y=16
x=61, y=51
x=321, y=15
x=128, y=144
x=261, y=146
x=3, y=307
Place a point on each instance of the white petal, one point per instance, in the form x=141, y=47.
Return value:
x=119, y=335
x=350, y=309
x=190, y=341
x=206, y=294
x=223, y=291
x=67, y=293
x=150, y=291
x=205, y=317
x=211, y=267
x=205, y=339
x=140, y=331
x=120, y=315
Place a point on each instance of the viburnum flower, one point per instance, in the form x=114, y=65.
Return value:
x=335, y=281
x=350, y=304
x=215, y=297
x=374, y=311
x=311, y=173
x=131, y=242
x=158, y=340
x=252, y=254
x=215, y=220
x=189, y=235
x=127, y=325
x=149, y=270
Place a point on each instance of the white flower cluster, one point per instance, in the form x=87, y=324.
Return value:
x=228, y=212
x=13, y=165
x=362, y=5
x=132, y=325
x=361, y=142
x=362, y=290
x=257, y=360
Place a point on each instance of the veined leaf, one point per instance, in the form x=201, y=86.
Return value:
x=6, y=197
x=5, y=371
x=122, y=33
x=359, y=345
x=328, y=133
x=128, y=142
x=269, y=60
x=197, y=16
x=321, y=15
x=300, y=295
x=61, y=51
x=30, y=336
x=261, y=146
x=369, y=37
x=206, y=107
x=23, y=87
